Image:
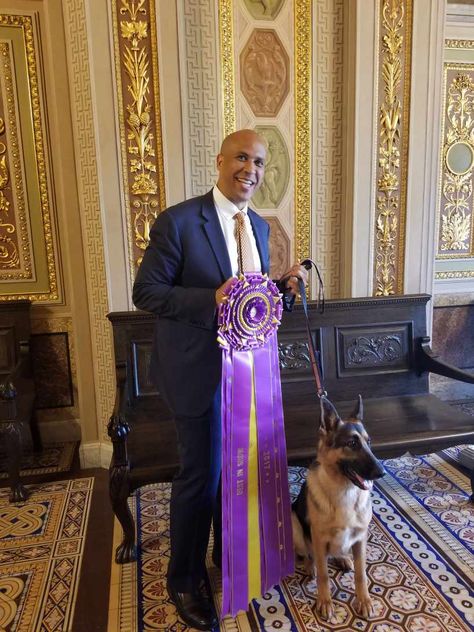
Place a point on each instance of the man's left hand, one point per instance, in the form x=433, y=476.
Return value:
x=289, y=280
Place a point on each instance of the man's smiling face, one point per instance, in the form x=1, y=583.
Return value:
x=241, y=165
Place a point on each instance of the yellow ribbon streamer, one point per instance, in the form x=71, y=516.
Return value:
x=254, y=578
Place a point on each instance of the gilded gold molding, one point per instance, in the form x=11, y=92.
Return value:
x=134, y=30
x=15, y=262
x=226, y=33
x=25, y=23
x=459, y=43
x=394, y=81
x=455, y=274
x=455, y=239
x=9, y=256
x=303, y=22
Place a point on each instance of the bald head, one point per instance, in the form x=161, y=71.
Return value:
x=241, y=135
x=241, y=165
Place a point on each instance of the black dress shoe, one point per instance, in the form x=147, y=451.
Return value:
x=195, y=608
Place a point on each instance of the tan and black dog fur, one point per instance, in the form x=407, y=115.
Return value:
x=331, y=515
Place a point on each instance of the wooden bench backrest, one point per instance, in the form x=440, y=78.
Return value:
x=367, y=346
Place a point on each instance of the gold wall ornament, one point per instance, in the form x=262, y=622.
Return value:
x=456, y=204
x=226, y=33
x=394, y=84
x=459, y=44
x=9, y=257
x=15, y=261
x=140, y=121
x=454, y=274
x=303, y=88
x=32, y=272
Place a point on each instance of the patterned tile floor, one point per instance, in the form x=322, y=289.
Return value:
x=420, y=563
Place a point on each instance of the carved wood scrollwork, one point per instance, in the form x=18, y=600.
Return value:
x=374, y=350
x=293, y=356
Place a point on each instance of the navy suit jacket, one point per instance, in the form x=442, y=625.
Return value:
x=184, y=264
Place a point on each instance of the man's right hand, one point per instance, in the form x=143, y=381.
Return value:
x=222, y=290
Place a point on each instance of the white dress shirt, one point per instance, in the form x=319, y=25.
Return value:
x=225, y=212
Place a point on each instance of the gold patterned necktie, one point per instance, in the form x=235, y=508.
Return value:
x=244, y=247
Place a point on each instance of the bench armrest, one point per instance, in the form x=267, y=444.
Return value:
x=426, y=360
x=118, y=427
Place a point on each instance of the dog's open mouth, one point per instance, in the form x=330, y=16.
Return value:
x=357, y=479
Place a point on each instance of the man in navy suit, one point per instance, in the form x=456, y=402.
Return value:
x=189, y=264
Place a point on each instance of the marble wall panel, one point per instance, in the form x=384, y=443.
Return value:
x=280, y=249
x=277, y=169
x=264, y=76
x=264, y=9
x=301, y=47
x=453, y=334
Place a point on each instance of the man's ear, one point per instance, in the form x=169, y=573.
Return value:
x=219, y=160
x=329, y=416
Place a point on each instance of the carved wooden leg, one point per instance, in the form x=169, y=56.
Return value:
x=12, y=435
x=119, y=490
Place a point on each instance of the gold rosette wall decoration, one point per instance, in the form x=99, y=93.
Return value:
x=392, y=150
x=140, y=124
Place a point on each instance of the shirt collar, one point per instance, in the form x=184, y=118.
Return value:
x=228, y=208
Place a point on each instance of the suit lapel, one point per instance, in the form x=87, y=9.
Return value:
x=215, y=235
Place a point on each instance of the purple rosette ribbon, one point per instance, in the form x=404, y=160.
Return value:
x=257, y=547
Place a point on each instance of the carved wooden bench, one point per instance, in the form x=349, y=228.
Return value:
x=377, y=347
x=18, y=423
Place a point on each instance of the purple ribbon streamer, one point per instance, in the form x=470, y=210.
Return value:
x=259, y=310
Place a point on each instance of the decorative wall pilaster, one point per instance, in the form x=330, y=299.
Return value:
x=266, y=53
x=138, y=99
x=327, y=139
x=455, y=239
x=90, y=209
x=200, y=87
x=394, y=84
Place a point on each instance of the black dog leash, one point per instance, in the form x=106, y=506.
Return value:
x=314, y=355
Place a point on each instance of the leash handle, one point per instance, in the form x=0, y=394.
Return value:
x=314, y=355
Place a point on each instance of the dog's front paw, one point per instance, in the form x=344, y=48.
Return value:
x=364, y=607
x=324, y=606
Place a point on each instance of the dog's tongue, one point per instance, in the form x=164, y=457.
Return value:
x=363, y=483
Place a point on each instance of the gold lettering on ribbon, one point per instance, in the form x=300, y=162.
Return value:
x=9, y=257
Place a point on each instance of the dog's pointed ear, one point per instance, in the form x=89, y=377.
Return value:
x=329, y=417
x=358, y=412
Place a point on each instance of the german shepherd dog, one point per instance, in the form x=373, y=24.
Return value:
x=331, y=515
